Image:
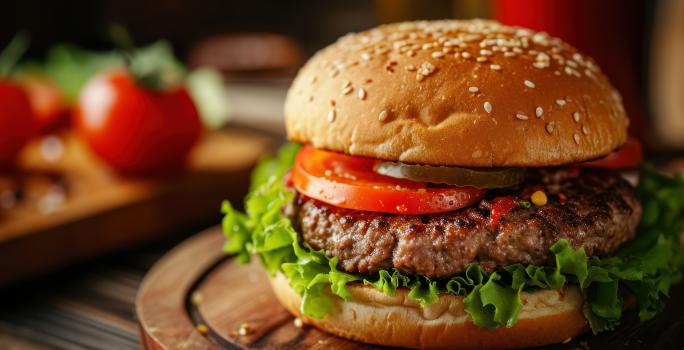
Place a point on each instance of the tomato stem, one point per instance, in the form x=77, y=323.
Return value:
x=121, y=37
x=9, y=57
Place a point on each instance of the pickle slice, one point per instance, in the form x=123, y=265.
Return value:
x=480, y=178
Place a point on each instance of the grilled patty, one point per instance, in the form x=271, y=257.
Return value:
x=595, y=210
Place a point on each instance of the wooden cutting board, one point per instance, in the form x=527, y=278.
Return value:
x=71, y=207
x=198, y=298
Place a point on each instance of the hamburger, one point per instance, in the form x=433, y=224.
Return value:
x=458, y=184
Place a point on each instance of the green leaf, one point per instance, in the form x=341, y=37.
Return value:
x=10, y=56
x=208, y=90
x=424, y=291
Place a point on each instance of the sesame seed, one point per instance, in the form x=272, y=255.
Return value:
x=437, y=54
x=410, y=68
x=560, y=102
x=540, y=64
x=585, y=130
x=550, y=126
x=331, y=115
x=347, y=90
x=538, y=112
x=382, y=116
x=529, y=84
x=419, y=77
x=473, y=89
x=328, y=172
x=333, y=73
x=361, y=94
x=427, y=46
x=465, y=54
x=426, y=68
x=509, y=54
x=576, y=117
x=481, y=59
x=576, y=137
x=488, y=107
x=485, y=53
x=495, y=67
x=521, y=116
x=365, y=56
x=411, y=53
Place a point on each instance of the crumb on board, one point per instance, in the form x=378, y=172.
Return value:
x=202, y=329
x=245, y=329
x=196, y=298
x=298, y=322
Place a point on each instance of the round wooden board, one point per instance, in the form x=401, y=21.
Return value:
x=233, y=294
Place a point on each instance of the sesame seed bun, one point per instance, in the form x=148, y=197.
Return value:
x=459, y=93
x=547, y=317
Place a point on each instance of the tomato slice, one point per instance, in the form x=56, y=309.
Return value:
x=630, y=155
x=350, y=182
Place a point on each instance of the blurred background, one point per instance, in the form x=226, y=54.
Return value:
x=87, y=206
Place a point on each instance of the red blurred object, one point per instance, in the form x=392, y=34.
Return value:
x=47, y=101
x=136, y=130
x=610, y=31
x=630, y=155
x=17, y=123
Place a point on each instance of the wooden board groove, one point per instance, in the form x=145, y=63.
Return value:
x=233, y=294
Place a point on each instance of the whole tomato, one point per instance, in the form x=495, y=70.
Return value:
x=16, y=121
x=137, y=130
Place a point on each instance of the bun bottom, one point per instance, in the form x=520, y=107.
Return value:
x=547, y=317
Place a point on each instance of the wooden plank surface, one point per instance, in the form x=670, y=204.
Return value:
x=196, y=284
x=93, y=211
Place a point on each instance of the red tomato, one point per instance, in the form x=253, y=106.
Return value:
x=48, y=103
x=629, y=155
x=16, y=121
x=136, y=130
x=350, y=182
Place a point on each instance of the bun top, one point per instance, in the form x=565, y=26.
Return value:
x=461, y=93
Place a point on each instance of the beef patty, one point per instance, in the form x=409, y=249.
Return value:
x=594, y=210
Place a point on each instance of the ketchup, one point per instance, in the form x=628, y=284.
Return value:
x=501, y=206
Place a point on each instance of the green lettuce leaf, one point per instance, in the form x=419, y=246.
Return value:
x=646, y=266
